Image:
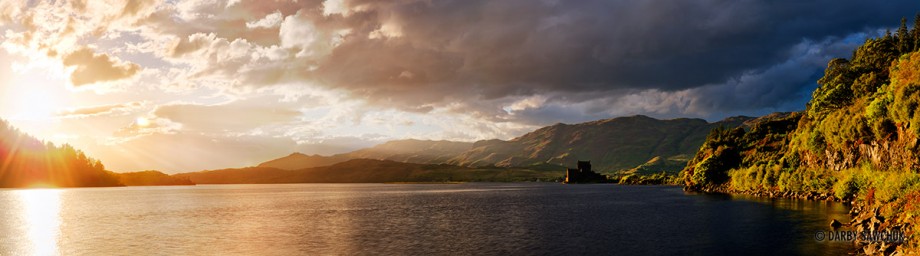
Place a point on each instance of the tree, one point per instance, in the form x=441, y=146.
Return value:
x=904, y=40
x=26, y=161
x=915, y=31
x=834, y=88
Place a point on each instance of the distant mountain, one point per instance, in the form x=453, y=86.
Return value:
x=298, y=161
x=407, y=151
x=28, y=162
x=413, y=151
x=367, y=171
x=656, y=165
x=151, y=178
x=610, y=144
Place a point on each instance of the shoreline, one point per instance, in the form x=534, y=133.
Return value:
x=863, y=217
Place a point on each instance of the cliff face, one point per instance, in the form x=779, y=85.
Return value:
x=885, y=154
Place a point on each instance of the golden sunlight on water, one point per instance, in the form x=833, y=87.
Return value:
x=40, y=211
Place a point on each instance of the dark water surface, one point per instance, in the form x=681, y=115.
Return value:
x=413, y=219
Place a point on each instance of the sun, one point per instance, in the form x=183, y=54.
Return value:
x=31, y=103
x=32, y=95
x=142, y=122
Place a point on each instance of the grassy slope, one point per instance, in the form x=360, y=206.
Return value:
x=610, y=145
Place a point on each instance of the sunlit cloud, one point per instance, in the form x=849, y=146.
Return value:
x=121, y=108
x=343, y=73
x=89, y=67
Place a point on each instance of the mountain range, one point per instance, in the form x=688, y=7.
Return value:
x=368, y=171
x=634, y=144
x=611, y=144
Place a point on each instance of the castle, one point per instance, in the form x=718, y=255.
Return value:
x=583, y=174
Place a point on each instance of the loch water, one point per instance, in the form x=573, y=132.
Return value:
x=409, y=219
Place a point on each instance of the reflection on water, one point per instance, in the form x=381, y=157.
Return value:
x=405, y=219
x=39, y=215
x=828, y=210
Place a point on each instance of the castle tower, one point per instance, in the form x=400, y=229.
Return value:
x=584, y=166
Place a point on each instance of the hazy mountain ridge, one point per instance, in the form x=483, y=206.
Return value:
x=413, y=151
x=151, y=178
x=407, y=151
x=611, y=144
x=296, y=161
x=367, y=171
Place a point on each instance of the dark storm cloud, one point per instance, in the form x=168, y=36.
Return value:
x=481, y=50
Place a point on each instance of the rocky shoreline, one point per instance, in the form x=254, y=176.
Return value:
x=863, y=217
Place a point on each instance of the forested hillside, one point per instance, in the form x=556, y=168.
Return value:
x=28, y=162
x=856, y=141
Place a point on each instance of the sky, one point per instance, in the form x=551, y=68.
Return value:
x=182, y=86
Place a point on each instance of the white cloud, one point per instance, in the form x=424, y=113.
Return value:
x=299, y=32
x=331, y=7
x=270, y=21
x=531, y=102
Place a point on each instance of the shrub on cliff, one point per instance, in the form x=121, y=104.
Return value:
x=750, y=157
x=717, y=155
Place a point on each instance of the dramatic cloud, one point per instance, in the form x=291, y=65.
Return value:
x=421, y=55
x=336, y=74
x=444, y=51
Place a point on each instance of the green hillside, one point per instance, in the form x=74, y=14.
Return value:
x=856, y=141
x=611, y=144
